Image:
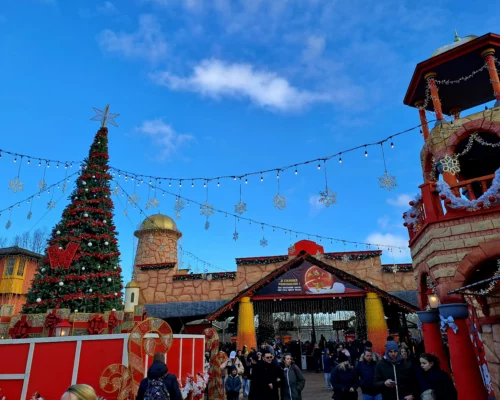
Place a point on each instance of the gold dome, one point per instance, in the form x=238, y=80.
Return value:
x=458, y=42
x=132, y=284
x=158, y=221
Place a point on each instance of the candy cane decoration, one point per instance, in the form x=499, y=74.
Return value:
x=116, y=377
x=215, y=389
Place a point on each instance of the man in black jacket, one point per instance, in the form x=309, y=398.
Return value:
x=159, y=370
x=365, y=372
x=266, y=377
x=394, y=376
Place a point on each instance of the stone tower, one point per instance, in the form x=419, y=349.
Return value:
x=454, y=222
x=156, y=257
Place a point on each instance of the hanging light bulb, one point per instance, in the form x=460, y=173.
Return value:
x=48, y=165
x=319, y=166
x=296, y=171
x=57, y=166
x=261, y=178
x=0, y=155
x=39, y=163
x=392, y=143
x=180, y=183
x=218, y=183
x=246, y=180
x=366, y=152
x=278, y=175
x=340, y=159
x=234, y=178
x=15, y=159
x=29, y=161
x=192, y=184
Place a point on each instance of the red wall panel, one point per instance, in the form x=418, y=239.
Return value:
x=173, y=357
x=95, y=356
x=52, y=362
x=187, y=358
x=17, y=354
x=12, y=389
x=199, y=362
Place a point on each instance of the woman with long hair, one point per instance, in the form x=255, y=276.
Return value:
x=80, y=392
x=344, y=380
x=434, y=383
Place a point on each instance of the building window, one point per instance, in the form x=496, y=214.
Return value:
x=132, y=297
x=21, y=266
x=10, y=266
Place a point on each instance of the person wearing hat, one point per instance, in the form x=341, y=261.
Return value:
x=395, y=376
x=344, y=380
x=231, y=361
x=233, y=384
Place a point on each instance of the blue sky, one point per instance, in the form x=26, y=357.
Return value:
x=208, y=88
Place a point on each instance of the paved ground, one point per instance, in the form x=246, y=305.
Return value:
x=315, y=387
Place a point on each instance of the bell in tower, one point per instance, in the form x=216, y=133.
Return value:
x=454, y=222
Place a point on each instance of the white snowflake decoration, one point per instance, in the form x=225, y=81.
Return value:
x=64, y=187
x=207, y=225
x=328, y=197
x=236, y=236
x=345, y=259
x=51, y=205
x=125, y=212
x=178, y=205
x=279, y=201
x=240, y=207
x=30, y=214
x=161, y=247
x=42, y=185
x=263, y=242
x=387, y=181
x=450, y=164
x=152, y=203
x=206, y=209
x=16, y=185
x=395, y=268
x=8, y=224
x=116, y=190
x=133, y=199
x=177, y=215
x=171, y=254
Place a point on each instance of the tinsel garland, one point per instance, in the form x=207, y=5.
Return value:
x=397, y=268
x=261, y=261
x=156, y=267
x=76, y=296
x=96, y=175
x=486, y=200
x=352, y=257
x=103, y=155
x=78, y=277
x=208, y=276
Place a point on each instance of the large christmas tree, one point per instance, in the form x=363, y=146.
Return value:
x=92, y=283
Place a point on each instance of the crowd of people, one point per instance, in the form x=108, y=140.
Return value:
x=349, y=370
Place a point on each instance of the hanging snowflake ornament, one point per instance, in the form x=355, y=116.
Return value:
x=263, y=242
x=207, y=209
x=64, y=187
x=30, y=214
x=51, y=205
x=236, y=236
x=8, y=224
x=177, y=215
x=240, y=207
x=161, y=247
x=125, y=212
x=207, y=225
x=178, y=206
x=133, y=199
x=116, y=190
x=152, y=203
x=450, y=164
x=16, y=185
x=328, y=197
x=345, y=259
x=42, y=185
x=395, y=268
x=387, y=181
x=279, y=201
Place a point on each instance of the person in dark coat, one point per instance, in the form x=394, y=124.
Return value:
x=365, y=372
x=159, y=370
x=293, y=380
x=395, y=376
x=327, y=368
x=233, y=384
x=344, y=380
x=432, y=378
x=266, y=378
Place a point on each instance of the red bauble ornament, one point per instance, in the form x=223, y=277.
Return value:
x=413, y=215
x=411, y=226
x=411, y=203
x=405, y=224
x=447, y=201
x=492, y=199
x=79, y=290
x=442, y=196
x=480, y=204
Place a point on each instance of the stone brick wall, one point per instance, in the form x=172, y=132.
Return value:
x=491, y=341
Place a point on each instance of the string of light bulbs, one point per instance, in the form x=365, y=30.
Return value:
x=39, y=160
x=320, y=238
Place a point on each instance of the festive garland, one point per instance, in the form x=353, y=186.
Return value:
x=79, y=277
x=261, y=261
x=76, y=296
x=213, y=276
x=195, y=387
x=490, y=287
x=352, y=257
x=486, y=200
x=397, y=268
x=156, y=267
x=413, y=216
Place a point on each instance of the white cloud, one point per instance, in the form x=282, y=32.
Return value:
x=383, y=222
x=165, y=137
x=315, y=45
x=147, y=42
x=216, y=78
x=315, y=206
x=389, y=239
x=107, y=8
x=401, y=201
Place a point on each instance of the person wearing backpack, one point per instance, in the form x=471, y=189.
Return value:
x=293, y=382
x=233, y=384
x=159, y=385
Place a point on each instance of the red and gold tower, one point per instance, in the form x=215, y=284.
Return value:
x=454, y=222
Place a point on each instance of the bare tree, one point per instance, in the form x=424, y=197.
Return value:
x=3, y=241
x=35, y=241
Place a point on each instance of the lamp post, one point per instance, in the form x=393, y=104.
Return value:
x=63, y=329
x=432, y=300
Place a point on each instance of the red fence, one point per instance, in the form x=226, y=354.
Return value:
x=51, y=365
